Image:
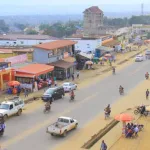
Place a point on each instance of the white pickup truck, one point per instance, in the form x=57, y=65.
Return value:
x=62, y=126
x=11, y=107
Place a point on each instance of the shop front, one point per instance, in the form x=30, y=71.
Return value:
x=34, y=76
x=63, y=69
x=6, y=75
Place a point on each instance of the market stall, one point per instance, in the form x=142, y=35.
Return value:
x=34, y=76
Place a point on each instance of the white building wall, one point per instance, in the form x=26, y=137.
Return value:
x=22, y=42
x=86, y=45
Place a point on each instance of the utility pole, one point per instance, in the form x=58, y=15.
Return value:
x=142, y=9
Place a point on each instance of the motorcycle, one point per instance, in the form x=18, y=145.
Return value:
x=138, y=111
x=2, y=129
x=72, y=97
x=47, y=109
x=121, y=91
x=147, y=77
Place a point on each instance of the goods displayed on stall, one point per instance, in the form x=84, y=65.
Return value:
x=14, y=87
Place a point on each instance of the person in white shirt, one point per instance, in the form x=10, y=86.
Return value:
x=136, y=130
x=49, y=82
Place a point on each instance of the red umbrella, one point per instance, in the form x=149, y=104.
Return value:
x=124, y=117
x=13, y=83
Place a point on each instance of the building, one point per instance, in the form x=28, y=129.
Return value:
x=93, y=21
x=53, y=51
x=58, y=54
x=29, y=74
x=6, y=74
x=24, y=40
x=140, y=28
x=86, y=44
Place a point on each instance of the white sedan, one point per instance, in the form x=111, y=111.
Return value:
x=69, y=86
x=139, y=58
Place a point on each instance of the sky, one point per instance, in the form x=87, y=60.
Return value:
x=51, y=7
x=70, y=2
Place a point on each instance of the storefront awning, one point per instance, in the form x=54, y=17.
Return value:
x=62, y=64
x=25, y=75
x=111, y=43
x=35, y=69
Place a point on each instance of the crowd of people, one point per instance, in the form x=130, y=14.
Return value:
x=131, y=130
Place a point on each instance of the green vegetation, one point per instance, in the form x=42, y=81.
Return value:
x=20, y=26
x=148, y=35
x=123, y=22
x=3, y=26
x=61, y=29
x=31, y=32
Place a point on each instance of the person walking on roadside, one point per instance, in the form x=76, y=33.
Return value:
x=72, y=77
x=103, y=146
x=147, y=94
x=55, y=82
x=49, y=83
x=78, y=73
x=25, y=92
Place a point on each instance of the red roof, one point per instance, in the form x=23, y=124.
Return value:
x=55, y=44
x=35, y=69
x=8, y=51
x=94, y=9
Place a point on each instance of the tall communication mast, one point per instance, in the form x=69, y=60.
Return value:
x=142, y=9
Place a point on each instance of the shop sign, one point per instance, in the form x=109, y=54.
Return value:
x=66, y=54
x=17, y=59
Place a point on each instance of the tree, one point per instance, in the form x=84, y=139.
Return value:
x=148, y=35
x=20, y=26
x=31, y=31
x=3, y=26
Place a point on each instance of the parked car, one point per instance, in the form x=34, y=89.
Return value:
x=62, y=126
x=69, y=86
x=12, y=107
x=147, y=54
x=53, y=94
x=139, y=58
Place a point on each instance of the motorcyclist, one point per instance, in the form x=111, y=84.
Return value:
x=2, y=124
x=72, y=94
x=121, y=89
x=107, y=111
x=113, y=70
x=48, y=105
x=147, y=75
x=143, y=109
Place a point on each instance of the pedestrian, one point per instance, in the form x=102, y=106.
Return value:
x=147, y=94
x=26, y=92
x=18, y=90
x=68, y=76
x=72, y=77
x=55, y=82
x=78, y=73
x=103, y=146
x=49, y=83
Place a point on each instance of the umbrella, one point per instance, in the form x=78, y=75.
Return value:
x=124, y=117
x=13, y=83
x=89, y=63
x=107, y=55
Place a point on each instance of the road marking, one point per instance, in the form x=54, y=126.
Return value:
x=37, y=127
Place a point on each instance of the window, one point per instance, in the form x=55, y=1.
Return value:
x=11, y=106
x=21, y=42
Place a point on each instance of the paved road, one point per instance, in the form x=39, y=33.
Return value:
x=28, y=131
